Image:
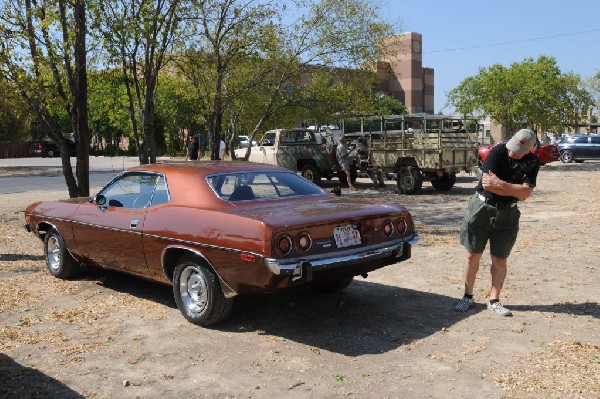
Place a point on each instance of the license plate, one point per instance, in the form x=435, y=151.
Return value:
x=346, y=236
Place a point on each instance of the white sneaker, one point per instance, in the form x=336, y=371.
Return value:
x=498, y=308
x=464, y=304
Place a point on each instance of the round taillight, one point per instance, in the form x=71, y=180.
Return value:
x=304, y=242
x=284, y=244
x=387, y=229
x=401, y=226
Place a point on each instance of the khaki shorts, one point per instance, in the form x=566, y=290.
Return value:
x=484, y=222
x=345, y=166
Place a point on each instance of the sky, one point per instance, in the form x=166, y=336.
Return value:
x=462, y=36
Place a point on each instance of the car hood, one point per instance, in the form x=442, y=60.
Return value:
x=303, y=211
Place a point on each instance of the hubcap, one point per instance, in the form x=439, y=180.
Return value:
x=193, y=289
x=53, y=254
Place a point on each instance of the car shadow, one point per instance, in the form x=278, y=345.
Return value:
x=19, y=257
x=18, y=381
x=366, y=318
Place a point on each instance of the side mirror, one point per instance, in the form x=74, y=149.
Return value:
x=100, y=200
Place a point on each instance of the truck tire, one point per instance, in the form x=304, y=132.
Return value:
x=409, y=180
x=353, y=175
x=445, y=182
x=311, y=173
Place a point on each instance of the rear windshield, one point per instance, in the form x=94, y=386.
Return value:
x=261, y=185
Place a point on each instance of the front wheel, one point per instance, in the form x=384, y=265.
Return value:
x=566, y=156
x=409, y=180
x=198, y=294
x=59, y=261
x=311, y=173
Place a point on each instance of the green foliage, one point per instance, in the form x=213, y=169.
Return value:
x=531, y=93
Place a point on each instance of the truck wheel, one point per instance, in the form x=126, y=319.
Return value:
x=353, y=175
x=444, y=183
x=409, y=180
x=311, y=173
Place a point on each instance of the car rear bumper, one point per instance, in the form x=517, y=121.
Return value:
x=298, y=268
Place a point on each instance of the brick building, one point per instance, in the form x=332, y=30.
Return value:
x=402, y=75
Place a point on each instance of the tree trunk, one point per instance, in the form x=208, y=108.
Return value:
x=80, y=103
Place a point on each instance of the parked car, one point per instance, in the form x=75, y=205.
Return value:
x=546, y=153
x=579, y=147
x=47, y=148
x=214, y=230
x=245, y=140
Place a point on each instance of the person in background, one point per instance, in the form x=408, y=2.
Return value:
x=509, y=176
x=192, y=150
x=345, y=158
x=221, y=150
x=373, y=170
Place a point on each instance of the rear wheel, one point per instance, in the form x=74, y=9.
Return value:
x=566, y=156
x=50, y=154
x=445, y=182
x=331, y=288
x=311, y=173
x=353, y=175
x=198, y=293
x=59, y=261
x=409, y=180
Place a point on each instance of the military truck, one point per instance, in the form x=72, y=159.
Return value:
x=418, y=147
x=302, y=150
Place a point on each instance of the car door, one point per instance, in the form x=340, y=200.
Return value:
x=109, y=231
x=594, y=147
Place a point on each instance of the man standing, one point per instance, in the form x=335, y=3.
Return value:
x=345, y=158
x=192, y=150
x=509, y=175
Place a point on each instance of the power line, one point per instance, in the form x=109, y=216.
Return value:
x=512, y=42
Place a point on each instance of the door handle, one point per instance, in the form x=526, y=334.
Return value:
x=134, y=223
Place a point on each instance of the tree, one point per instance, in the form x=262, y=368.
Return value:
x=535, y=94
x=138, y=35
x=43, y=55
x=283, y=54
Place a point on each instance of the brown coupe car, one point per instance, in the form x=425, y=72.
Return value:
x=219, y=229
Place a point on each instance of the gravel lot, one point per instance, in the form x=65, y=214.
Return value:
x=393, y=335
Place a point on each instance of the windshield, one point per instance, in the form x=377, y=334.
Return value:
x=260, y=185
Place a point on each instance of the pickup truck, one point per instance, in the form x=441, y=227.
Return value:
x=418, y=147
x=306, y=151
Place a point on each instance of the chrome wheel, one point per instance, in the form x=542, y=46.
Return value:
x=566, y=156
x=193, y=289
x=198, y=293
x=53, y=256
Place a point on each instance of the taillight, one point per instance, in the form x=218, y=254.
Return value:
x=401, y=226
x=284, y=244
x=387, y=229
x=304, y=242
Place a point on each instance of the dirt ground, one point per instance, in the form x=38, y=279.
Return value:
x=393, y=335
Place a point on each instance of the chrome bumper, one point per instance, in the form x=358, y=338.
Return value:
x=294, y=267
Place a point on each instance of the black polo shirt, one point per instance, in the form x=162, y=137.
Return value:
x=515, y=171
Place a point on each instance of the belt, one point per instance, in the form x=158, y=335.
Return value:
x=496, y=204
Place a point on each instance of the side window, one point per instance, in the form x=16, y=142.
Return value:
x=581, y=140
x=132, y=191
x=595, y=140
x=161, y=194
x=287, y=137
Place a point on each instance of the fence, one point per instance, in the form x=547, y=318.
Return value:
x=21, y=150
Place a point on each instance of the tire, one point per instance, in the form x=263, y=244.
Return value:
x=50, y=154
x=566, y=156
x=410, y=180
x=311, y=173
x=59, y=261
x=198, y=293
x=444, y=183
x=353, y=175
x=332, y=288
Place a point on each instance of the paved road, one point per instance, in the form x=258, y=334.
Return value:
x=102, y=169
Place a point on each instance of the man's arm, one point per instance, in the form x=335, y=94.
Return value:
x=494, y=184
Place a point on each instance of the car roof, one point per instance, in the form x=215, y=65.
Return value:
x=187, y=181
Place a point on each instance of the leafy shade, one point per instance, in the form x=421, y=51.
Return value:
x=535, y=94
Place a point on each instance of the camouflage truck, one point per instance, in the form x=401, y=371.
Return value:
x=302, y=150
x=418, y=147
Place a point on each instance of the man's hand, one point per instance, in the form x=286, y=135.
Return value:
x=490, y=182
x=494, y=184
